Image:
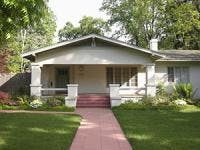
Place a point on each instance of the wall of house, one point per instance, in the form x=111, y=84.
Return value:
x=93, y=55
x=91, y=78
x=194, y=74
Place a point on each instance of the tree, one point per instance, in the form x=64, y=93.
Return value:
x=32, y=37
x=140, y=20
x=18, y=14
x=39, y=35
x=183, y=25
x=167, y=20
x=88, y=25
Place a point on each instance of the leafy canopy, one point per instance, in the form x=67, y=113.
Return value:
x=175, y=23
x=31, y=37
x=17, y=14
x=88, y=25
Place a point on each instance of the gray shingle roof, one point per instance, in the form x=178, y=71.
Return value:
x=176, y=55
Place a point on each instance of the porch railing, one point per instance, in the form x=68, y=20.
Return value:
x=54, y=91
x=132, y=91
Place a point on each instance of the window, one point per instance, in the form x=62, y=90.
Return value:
x=170, y=74
x=125, y=76
x=178, y=74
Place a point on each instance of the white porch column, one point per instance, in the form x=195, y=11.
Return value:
x=115, y=98
x=150, y=80
x=72, y=95
x=35, y=80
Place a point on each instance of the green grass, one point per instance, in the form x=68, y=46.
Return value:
x=160, y=128
x=37, y=131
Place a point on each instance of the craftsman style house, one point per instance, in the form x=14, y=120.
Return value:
x=96, y=67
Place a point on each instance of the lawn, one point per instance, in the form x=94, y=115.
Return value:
x=37, y=131
x=160, y=128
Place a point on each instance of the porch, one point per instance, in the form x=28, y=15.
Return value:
x=119, y=82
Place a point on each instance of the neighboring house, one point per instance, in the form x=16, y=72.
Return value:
x=101, y=65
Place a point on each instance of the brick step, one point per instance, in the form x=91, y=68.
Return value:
x=93, y=99
x=93, y=96
x=93, y=105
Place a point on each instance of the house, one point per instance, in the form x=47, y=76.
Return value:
x=94, y=66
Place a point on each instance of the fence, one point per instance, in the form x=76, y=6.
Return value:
x=15, y=84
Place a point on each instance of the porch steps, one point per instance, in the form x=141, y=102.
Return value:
x=93, y=100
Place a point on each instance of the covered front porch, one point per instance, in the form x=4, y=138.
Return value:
x=121, y=82
x=93, y=64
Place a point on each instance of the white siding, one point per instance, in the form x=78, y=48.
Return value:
x=93, y=55
x=194, y=74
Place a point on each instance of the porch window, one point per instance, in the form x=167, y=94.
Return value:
x=125, y=76
x=178, y=74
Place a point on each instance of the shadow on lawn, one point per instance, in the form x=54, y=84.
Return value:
x=37, y=132
x=161, y=129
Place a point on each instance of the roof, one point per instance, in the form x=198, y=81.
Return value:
x=163, y=55
x=180, y=55
x=27, y=54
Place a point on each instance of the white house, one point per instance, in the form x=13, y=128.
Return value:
x=99, y=65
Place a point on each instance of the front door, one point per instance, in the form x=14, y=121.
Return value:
x=62, y=77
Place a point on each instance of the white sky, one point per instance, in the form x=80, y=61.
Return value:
x=74, y=10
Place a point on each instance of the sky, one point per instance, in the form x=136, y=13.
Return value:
x=74, y=10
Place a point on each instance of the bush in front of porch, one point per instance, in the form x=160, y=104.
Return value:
x=24, y=102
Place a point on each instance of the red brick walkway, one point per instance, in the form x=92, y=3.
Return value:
x=99, y=130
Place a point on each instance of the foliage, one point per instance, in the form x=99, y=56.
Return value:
x=183, y=91
x=4, y=95
x=175, y=23
x=16, y=15
x=55, y=101
x=160, y=127
x=88, y=25
x=25, y=102
x=21, y=131
x=156, y=100
x=36, y=103
x=31, y=37
x=160, y=89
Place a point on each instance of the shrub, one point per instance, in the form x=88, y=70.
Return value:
x=5, y=99
x=36, y=103
x=55, y=101
x=4, y=96
x=183, y=91
x=142, y=106
x=156, y=100
x=24, y=99
x=160, y=89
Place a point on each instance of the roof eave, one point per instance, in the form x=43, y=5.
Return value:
x=34, y=52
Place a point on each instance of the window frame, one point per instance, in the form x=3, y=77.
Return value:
x=131, y=76
x=178, y=77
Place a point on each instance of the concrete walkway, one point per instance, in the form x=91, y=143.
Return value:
x=99, y=130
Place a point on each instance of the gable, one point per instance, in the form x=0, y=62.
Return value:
x=92, y=40
x=93, y=54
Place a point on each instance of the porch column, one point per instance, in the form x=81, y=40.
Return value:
x=115, y=98
x=71, y=99
x=150, y=80
x=35, y=80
